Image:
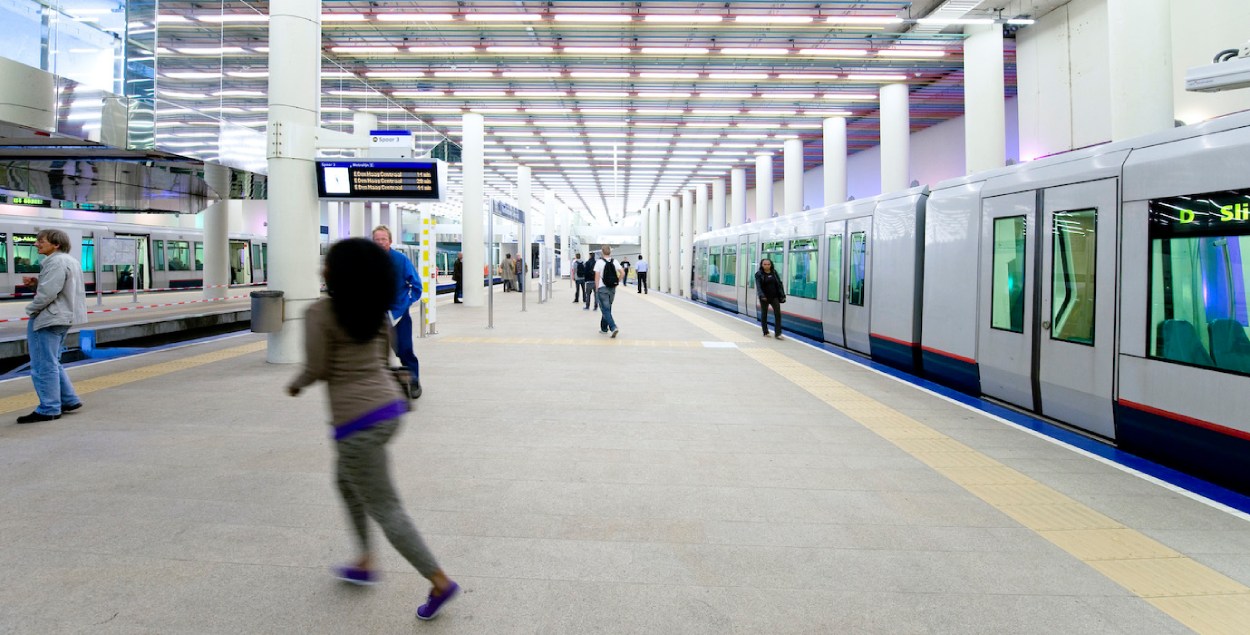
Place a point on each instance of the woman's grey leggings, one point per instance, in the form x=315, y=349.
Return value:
x=364, y=481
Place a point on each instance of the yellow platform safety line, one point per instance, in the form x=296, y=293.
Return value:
x=87, y=386
x=715, y=329
x=1191, y=593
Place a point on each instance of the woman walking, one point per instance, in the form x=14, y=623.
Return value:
x=771, y=294
x=347, y=342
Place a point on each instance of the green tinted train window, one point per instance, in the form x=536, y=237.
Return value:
x=1072, y=285
x=4, y=253
x=199, y=256
x=835, y=268
x=859, y=268
x=802, y=268
x=1200, y=280
x=88, y=256
x=179, y=252
x=729, y=268
x=774, y=251
x=158, y=250
x=1007, y=291
x=26, y=258
x=714, y=265
x=752, y=264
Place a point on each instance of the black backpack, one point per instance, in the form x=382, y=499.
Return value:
x=579, y=269
x=609, y=274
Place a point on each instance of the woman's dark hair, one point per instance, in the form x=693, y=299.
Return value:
x=772, y=267
x=361, y=281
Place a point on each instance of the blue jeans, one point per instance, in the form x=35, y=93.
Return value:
x=403, y=346
x=606, y=295
x=52, y=384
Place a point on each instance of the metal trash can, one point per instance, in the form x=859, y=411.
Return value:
x=267, y=311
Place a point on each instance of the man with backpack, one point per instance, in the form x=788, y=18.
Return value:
x=579, y=279
x=588, y=294
x=606, y=279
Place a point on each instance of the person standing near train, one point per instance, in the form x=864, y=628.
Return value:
x=407, y=293
x=60, y=302
x=457, y=274
x=771, y=294
x=346, y=345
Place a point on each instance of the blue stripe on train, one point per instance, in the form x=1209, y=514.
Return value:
x=1206, y=454
x=948, y=371
x=895, y=354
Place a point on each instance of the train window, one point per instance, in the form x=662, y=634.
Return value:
x=26, y=258
x=199, y=256
x=1007, y=293
x=700, y=259
x=835, y=268
x=1072, y=297
x=859, y=268
x=714, y=265
x=729, y=265
x=257, y=260
x=750, y=262
x=774, y=251
x=4, y=253
x=179, y=252
x=88, y=256
x=1200, y=280
x=160, y=254
x=803, y=264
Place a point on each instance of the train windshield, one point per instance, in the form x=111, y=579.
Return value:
x=1200, y=280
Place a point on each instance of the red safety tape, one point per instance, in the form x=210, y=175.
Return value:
x=113, y=291
x=135, y=308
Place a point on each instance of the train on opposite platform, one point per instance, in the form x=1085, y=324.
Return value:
x=169, y=257
x=1105, y=288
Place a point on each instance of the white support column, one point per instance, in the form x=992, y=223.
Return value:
x=473, y=232
x=362, y=123
x=653, y=230
x=793, y=174
x=567, y=227
x=294, y=105
x=523, y=200
x=1139, y=40
x=700, y=209
x=985, y=105
x=763, y=186
x=687, y=240
x=660, y=264
x=737, y=196
x=895, y=138
x=216, y=233
x=835, y=160
x=719, y=218
x=672, y=267
x=549, y=237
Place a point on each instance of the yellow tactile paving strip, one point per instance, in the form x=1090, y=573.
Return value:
x=715, y=329
x=1193, y=594
x=29, y=400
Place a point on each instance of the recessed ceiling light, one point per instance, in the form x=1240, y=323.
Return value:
x=674, y=50
x=592, y=17
x=441, y=49
x=414, y=17
x=774, y=19
x=502, y=17
x=682, y=19
x=738, y=76
x=754, y=51
x=597, y=50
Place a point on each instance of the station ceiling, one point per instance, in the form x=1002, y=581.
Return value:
x=614, y=105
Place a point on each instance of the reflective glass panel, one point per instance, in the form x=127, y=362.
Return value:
x=835, y=268
x=729, y=268
x=1074, y=264
x=1007, y=293
x=802, y=268
x=859, y=269
x=714, y=265
x=179, y=252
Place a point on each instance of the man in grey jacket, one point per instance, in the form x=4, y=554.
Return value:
x=60, y=302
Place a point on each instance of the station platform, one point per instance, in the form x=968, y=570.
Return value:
x=689, y=476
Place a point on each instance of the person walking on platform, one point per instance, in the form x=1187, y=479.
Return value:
x=624, y=271
x=60, y=302
x=606, y=280
x=642, y=268
x=520, y=273
x=407, y=292
x=457, y=274
x=588, y=292
x=579, y=278
x=771, y=294
x=346, y=344
x=508, y=272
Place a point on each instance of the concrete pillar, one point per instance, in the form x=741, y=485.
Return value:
x=672, y=266
x=700, y=209
x=985, y=106
x=362, y=123
x=294, y=103
x=763, y=186
x=523, y=196
x=653, y=230
x=567, y=223
x=1139, y=40
x=792, y=202
x=895, y=138
x=687, y=241
x=835, y=160
x=549, y=236
x=719, y=218
x=659, y=265
x=217, y=233
x=473, y=232
x=737, y=196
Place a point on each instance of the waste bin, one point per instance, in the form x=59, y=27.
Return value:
x=266, y=311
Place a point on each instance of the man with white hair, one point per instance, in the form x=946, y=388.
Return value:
x=60, y=302
x=606, y=279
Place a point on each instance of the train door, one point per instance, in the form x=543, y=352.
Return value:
x=258, y=262
x=1005, y=334
x=856, y=321
x=240, y=267
x=748, y=262
x=126, y=275
x=835, y=259
x=1076, y=343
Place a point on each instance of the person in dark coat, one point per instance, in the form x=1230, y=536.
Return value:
x=771, y=293
x=457, y=274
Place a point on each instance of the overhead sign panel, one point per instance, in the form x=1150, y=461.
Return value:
x=369, y=180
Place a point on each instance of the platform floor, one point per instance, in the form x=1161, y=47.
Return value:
x=687, y=477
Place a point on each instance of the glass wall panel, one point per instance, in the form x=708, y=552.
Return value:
x=1075, y=262
x=1007, y=292
x=835, y=268
x=803, y=266
x=859, y=269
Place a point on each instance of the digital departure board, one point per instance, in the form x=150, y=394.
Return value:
x=366, y=180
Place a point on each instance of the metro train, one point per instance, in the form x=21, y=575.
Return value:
x=1105, y=288
x=169, y=257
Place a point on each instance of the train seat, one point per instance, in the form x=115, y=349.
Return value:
x=1178, y=341
x=1229, y=345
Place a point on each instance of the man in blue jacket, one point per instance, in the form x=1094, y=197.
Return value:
x=407, y=292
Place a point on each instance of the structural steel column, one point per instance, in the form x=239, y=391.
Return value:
x=895, y=138
x=473, y=233
x=1139, y=40
x=217, y=233
x=737, y=196
x=985, y=104
x=835, y=160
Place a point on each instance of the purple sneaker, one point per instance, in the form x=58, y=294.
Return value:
x=429, y=610
x=356, y=575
